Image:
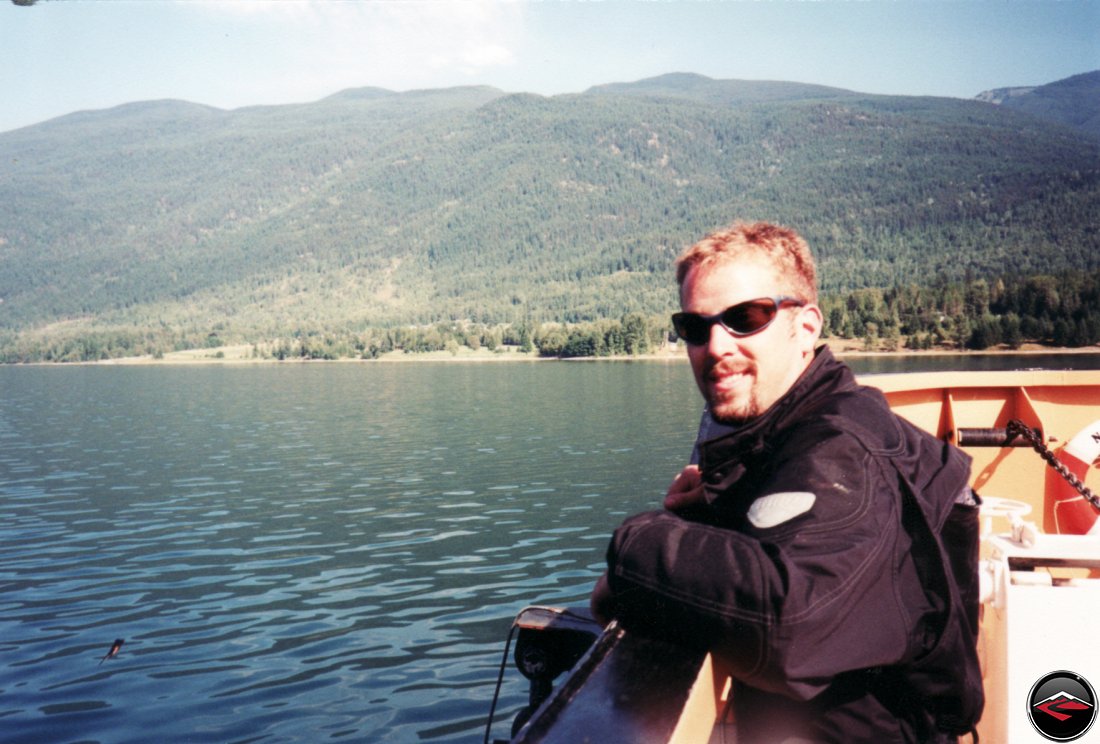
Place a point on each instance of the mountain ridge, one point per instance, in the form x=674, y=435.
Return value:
x=371, y=208
x=1073, y=101
x=700, y=87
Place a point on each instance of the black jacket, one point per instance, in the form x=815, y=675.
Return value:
x=818, y=571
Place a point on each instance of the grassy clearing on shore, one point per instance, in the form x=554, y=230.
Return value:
x=250, y=354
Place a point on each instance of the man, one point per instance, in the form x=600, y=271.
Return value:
x=807, y=548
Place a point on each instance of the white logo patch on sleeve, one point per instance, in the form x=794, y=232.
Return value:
x=776, y=508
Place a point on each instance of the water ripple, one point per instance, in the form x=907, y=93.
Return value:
x=301, y=553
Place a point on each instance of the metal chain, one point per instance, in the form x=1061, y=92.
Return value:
x=1017, y=427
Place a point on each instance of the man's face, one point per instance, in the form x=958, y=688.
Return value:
x=741, y=377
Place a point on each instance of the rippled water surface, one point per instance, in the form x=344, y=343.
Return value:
x=305, y=553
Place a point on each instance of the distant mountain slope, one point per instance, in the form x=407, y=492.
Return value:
x=691, y=86
x=1074, y=101
x=373, y=208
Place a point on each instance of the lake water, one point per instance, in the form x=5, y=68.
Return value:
x=303, y=553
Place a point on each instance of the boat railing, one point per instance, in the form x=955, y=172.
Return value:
x=631, y=688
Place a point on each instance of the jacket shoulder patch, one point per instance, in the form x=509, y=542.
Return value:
x=776, y=508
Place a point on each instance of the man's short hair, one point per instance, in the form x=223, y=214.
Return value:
x=781, y=246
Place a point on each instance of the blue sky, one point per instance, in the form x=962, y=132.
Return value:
x=65, y=56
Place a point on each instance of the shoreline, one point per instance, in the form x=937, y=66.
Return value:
x=242, y=354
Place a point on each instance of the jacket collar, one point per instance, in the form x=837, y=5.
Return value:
x=823, y=378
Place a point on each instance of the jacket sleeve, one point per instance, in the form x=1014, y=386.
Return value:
x=790, y=599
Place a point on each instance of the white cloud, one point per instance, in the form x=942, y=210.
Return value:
x=413, y=42
x=327, y=46
x=486, y=56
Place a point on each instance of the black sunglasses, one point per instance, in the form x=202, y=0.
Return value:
x=742, y=319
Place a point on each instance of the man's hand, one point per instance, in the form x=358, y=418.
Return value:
x=600, y=602
x=686, y=490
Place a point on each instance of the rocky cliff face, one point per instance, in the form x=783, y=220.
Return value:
x=1074, y=101
x=1000, y=95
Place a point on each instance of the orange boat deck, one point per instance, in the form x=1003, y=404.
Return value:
x=597, y=701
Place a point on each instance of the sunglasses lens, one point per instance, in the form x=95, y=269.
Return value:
x=741, y=320
x=749, y=317
x=693, y=328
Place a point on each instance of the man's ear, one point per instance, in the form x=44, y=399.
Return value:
x=808, y=326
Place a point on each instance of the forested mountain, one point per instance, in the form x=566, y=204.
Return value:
x=171, y=222
x=1074, y=101
x=690, y=86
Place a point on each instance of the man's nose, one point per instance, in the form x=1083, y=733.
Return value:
x=721, y=342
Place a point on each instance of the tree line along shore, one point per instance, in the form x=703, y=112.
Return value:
x=1037, y=312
